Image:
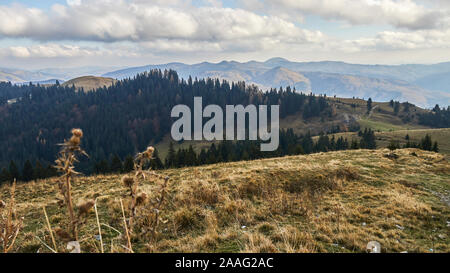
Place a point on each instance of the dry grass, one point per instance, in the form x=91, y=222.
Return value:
x=329, y=202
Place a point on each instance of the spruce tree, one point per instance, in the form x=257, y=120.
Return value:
x=4, y=176
x=171, y=157
x=39, y=171
x=156, y=163
x=116, y=164
x=369, y=105
x=13, y=171
x=128, y=164
x=435, y=147
x=426, y=143
x=27, y=171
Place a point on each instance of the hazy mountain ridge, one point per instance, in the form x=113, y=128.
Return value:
x=424, y=85
x=380, y=82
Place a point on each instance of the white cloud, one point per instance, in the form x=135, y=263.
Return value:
x=111, y=21
x=62, y=51
x=406, y=14
x=168, y=28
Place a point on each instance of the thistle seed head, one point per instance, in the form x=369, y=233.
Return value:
x=75, y=141
x=127, y=181
x=149, y=152
x=63, y=235
x=77, y=133
x=86, y=207
x=141, y=198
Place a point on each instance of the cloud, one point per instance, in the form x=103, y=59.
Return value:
x=62, y=51
x=144, y=21
x=391, y=40
x=407, y=14
x=171, y=29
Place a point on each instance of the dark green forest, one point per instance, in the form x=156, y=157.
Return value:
x=122, y=119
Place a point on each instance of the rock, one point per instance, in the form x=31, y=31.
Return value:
x=74, y=247
x=392, y=156
x=399, y=227
x=373, y=247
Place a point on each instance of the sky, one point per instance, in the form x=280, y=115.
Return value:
x=71, y=33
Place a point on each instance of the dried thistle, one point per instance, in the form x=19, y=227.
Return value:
x=63, y=235
x=2, y=204
x=155, y=211
x=139, y=200
x=128, y=181
x=67, y=157
x=85, y=208
x=9, y=224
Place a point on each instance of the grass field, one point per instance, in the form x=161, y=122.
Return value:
x=383, y=139
x=381, y=119
x=329, y=202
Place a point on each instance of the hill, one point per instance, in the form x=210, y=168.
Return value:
x=328, y=202
x=89, y=83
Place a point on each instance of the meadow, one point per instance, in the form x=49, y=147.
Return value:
x=327, y=202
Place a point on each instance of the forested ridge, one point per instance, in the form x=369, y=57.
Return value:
x=122, y=119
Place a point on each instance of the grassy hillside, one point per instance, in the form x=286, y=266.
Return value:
x=349, y=112
x=90, y=83
x=333, y=202
x=383, y=139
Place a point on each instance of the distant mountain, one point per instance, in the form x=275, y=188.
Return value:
x=380, y=82
x=424, y=85
x=89, y=83
x=281, y=76
x=436, y=82
x=49, y=75
x=20, y=76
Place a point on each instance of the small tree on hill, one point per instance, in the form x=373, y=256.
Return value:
x=27, y=172
x=13, y=171
x=128, y=164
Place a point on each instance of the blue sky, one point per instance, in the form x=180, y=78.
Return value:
x=57, y=33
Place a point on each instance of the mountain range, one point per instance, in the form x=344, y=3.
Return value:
x=424, y=85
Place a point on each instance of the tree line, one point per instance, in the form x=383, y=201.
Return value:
x=124, y=118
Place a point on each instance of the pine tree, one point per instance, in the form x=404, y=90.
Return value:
x=369, y=105
x=51, y=171
x=27, y=171
x=171, y=157
x=102, y=167
x=435, y=147
x=354, y=145
x=128, y=164
x=13, y=171
x=426, y=143
x=156, y=163
x=116, y=164
x=4, y=176
x=39, y=171
x=396, y=107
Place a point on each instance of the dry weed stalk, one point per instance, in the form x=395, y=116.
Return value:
x=49, y=227
x=151, y=208
x=67, y=157
x=9, y=224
